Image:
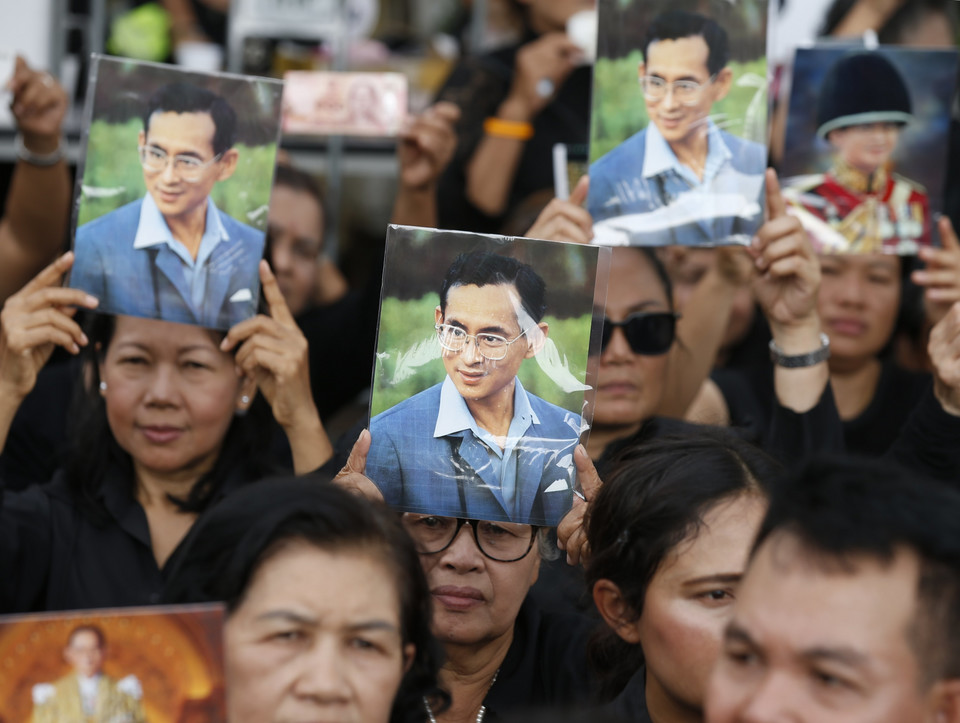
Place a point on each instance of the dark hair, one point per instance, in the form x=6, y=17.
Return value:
x=656, y=497
x=483, y=267
x=94, y=452
x=676, y=24
x=298, y=180
x=189, y=98
x=659, y=269
x=227, y=546
x=844, y=508
x=88, y=628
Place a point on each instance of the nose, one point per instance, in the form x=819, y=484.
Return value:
x=323, y=673
x=280, y=256
x=164, y=388
x=670, y=101
x=618, y=349
x=769, y=701
x=851, y=290
x=463, y=555
x=169, y=175
x=471, y=351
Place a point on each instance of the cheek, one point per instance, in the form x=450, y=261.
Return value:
x=255, y=684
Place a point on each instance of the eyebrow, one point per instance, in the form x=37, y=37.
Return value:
x=493, y=329
x=844, y=655
x=645, y=305
x=192, y=154
x=723, y=578
x=293, y=617
x=694, y=78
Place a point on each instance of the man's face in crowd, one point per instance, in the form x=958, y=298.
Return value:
x=296, y=239
x=682, y=59
x=815, y=640
x=186, y=134
x=489, y=309
x=84, y=653
x=868, y=146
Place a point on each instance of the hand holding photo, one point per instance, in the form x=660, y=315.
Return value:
x=483, y=381
x=679, y=158
x=350, y=104
x=864, y=160
x=173, y=193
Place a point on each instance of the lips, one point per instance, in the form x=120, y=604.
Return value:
x=161, y=434
x=470, y=378
x=168, y=196
x=847, y=327
x=454, y=597
x=617, y=388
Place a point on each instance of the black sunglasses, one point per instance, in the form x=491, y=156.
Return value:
x=648, y=333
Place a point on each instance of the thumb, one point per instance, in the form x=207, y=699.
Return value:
x=948, y=237
x=579, y=193
x=357, y=461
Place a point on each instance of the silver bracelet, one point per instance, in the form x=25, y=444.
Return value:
x=38, y=159
x=798, y=361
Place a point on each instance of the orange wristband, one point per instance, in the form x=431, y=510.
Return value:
x=499, y=128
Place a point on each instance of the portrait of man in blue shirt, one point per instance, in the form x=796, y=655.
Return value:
x=681, y=180
x=173, y=254
x=478, y=445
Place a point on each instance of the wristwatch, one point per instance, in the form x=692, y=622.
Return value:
x=798, y=361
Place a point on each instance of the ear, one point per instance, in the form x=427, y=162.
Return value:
x=100, y=372
x=723, y=83
x=616, y=612
x=141, y=138
x=409, y=653
x=228, y=164
x=536, y=339
x=641, y=71
x=437, y=315
x=248, y=389
x=945, y=701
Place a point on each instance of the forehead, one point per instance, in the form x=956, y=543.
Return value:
x=331, y=587
x=182, y=132
x=679, y=57
x=161, y=335
x=863, y=262
x=481, y=306
x=720, y=544
x=791, y=601
x=296, y=210
x=84, y=639
x=633, y=283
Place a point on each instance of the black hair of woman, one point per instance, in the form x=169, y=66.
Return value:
x=225, y=549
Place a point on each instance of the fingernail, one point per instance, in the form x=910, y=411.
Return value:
x=583, y=450
x=92, y=300
x=83, y=339
x=74, y=348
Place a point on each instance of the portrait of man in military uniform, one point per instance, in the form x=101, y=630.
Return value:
x=860, y=204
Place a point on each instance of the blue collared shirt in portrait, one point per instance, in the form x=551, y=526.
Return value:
x=152, y=230
x=667, y=203
x=454, y=416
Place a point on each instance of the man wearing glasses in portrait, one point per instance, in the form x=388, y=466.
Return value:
x=681, y=180
x=173, y=254
x=478, y=445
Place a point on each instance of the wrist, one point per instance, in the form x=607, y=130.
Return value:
x=799, y=337
x=515, y=109
x=38, y=150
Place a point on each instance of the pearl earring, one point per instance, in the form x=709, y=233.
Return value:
x=245, y=399
x=103, y=386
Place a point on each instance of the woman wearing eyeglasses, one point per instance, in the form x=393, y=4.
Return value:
x=502, y=653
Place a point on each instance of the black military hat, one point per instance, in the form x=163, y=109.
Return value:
x=862, y=88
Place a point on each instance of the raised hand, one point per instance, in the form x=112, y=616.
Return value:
x=353, y=477
x=426, y=145
x=571, y=533
x=941, y=276
x=541, y=67
x=39, y=106
x=944, y=350
x=565, y=220
x=35, y=320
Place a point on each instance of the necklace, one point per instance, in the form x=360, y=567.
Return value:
x=480, y=714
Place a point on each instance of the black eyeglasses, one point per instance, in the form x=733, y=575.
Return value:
x=648, y=333
x=500, y=541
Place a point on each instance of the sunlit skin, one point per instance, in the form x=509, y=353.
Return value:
x=488, y=386
x=629, y=385
x=684, y=127
x=84, y=653
x=316, y=637
x=811, y=643
x=296, y=240
x=183, y=203
x=858, y=304
x=866, y=147
x=170, y=395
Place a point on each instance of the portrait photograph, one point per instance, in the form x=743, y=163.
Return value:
x=485, y=368
x=865, y=157
x=173, y=191
x=135, y=665
x=322, y=103
x=678, y=137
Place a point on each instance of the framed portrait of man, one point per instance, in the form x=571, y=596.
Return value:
x=162, y=665
x=173, y=191
x=864, y=162
x=678, y=139
x=486, y=363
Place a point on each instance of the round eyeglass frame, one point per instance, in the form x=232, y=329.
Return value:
x=695, y=87
x=461, y=521
x=199, y=167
